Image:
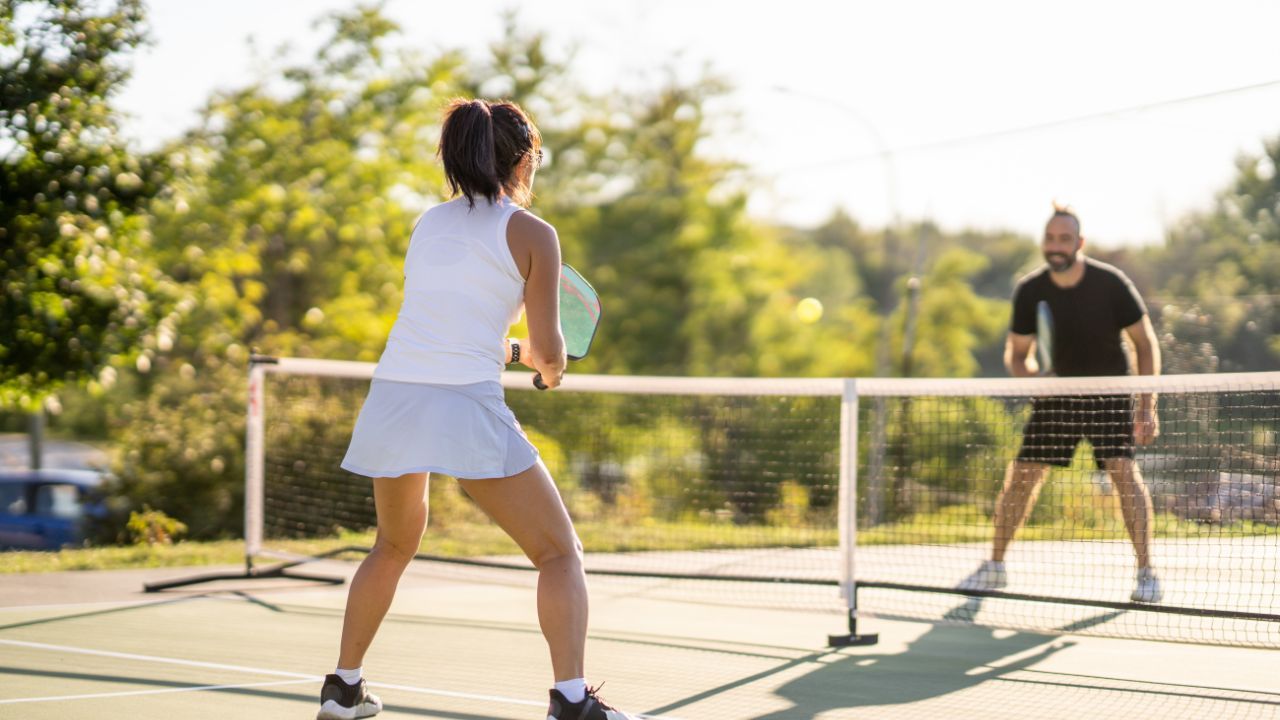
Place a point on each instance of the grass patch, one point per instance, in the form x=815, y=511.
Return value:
x=451, y=540
x=181, y=554
x=971, y=524
x=951, y=525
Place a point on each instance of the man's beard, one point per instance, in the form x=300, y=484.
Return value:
x=1060, y=262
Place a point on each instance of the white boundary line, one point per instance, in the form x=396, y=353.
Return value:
x=133, y=693
x=299, y=677
x=158, y=659
x=296, y=678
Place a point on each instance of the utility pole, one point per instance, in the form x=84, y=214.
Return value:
x=35, y=437
x=900, y=501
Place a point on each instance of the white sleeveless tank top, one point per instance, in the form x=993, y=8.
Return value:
x=462, y=292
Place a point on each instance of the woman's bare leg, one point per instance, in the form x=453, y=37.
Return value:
x=402, y=517
x=529, y=508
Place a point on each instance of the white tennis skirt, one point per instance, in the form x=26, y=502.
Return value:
x=466, y=431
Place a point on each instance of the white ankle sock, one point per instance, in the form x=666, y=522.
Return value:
x=573, y=690
x=350, y=677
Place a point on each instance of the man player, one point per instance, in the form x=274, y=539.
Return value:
x=1091, y=304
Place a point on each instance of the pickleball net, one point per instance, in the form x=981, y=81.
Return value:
x=870, y=497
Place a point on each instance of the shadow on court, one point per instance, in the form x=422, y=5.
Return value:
x=942, y=661
x=118, y=610
x=947, y=670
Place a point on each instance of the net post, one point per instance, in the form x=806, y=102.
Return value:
x=253, y=499
x=253, y=461
x=848, y=516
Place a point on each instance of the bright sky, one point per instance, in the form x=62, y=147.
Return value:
x=823, y=89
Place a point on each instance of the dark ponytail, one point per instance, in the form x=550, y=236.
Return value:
x=482, y=144
x=466, y=147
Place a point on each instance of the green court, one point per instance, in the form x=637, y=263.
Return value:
x=464, y=643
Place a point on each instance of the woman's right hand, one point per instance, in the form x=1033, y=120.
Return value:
x=548, y=376
x=544, y=381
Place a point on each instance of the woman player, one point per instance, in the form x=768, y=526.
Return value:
x=436, y=404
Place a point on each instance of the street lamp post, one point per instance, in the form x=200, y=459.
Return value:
x=879, y=431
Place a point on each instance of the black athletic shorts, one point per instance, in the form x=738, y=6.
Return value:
x=1058, y=424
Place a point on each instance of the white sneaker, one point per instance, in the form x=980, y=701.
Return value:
x=1148, y=589
x=990, y=575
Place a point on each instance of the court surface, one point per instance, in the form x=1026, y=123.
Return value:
x=464, y=644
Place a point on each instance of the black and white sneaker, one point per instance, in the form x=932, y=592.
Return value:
x=340, y=701
x=591, y=708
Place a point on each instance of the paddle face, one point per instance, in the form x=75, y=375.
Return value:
x=1044, y=337
x=579, y=316
x=579, y=313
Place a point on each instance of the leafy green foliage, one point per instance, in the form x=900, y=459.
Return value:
x=153, y=527
x=288, y=217
x=280, y=223
x=80, y=291
x=1218, y=277
x=181, y=447
x=290, y=210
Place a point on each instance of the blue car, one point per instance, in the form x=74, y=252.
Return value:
x=49, y=508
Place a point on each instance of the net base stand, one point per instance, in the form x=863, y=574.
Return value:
x=250, y=572
x=853, y=638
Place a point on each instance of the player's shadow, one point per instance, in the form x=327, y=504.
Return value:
x=946, y=659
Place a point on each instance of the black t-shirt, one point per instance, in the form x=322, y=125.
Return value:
x=1087, y=318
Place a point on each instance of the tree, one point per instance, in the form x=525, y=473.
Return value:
x=954, y=322
x=291, y=211
x=965, y=280
x=80, y=296
x=1218, y=275
x=288, y=216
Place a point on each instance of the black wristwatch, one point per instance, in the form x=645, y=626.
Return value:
x=515, y=352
